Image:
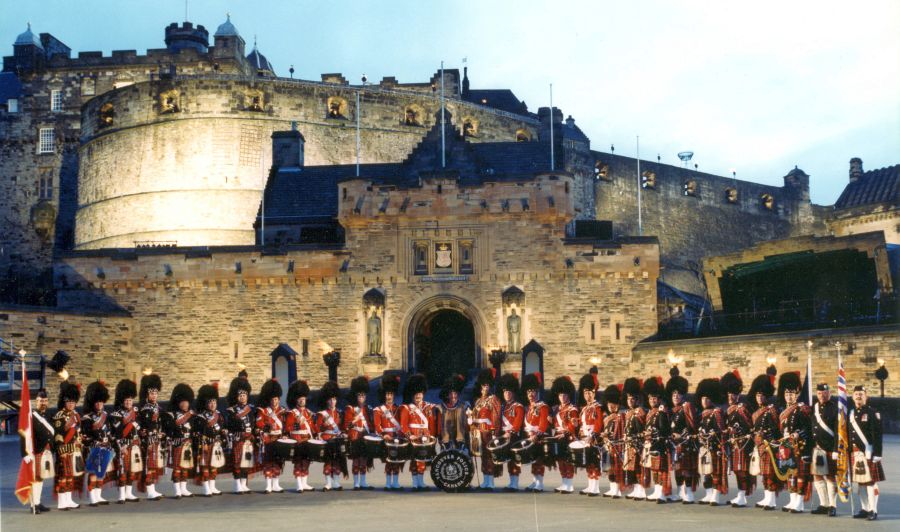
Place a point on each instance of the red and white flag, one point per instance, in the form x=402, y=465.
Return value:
x=26, y=469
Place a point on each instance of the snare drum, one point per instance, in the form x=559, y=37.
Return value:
x=357, y=449
x=336, y=448
x=316, y=450
x=582, y=454
x=555, y=448
x=499, y=448
x=374, y=446
x=424, y=449
x=526, y=451
x=284, y=448
x=397, y=451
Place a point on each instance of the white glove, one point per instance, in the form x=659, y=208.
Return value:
x=834, y=456
x=876, y=459
x=27, y=459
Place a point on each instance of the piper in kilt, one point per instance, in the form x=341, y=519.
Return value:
x=485, y=425
x=67, y=440
x=177, y=424
x=712, y=458
x=512, y=419
x=125, y=431
x=613, y=436
x=149, y=417
x=824, y=459
x=589, y=427
x=300, y=427
x=865, y=440
x=740, y=437
x=536, y=424
x=795, y=422
x=683, y=435
x=635, y=418
x=240, y=421
x=358, y=422
x=96, y=434
x=209, y=434
x=270, y=426
x=387, y=425
x=565, y=423
x=657, y=428
x=765, y=430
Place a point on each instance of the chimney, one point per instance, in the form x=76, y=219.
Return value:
x=287, y=149
x=856, y=169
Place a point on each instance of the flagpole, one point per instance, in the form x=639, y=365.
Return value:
x=552, y=147
x=357, y=133
x=640, y=219
x=443, y=136
x=809, y=373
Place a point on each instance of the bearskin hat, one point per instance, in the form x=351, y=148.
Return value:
x=510, y=382
x=415, y=384
x=789, y=380
x=389, y=383
x=653, y=386
x=149, y=382
x=761, y=384
x=295, y=390
x=96, y=392
x=67, y=392
x=633, y=387
x=181, y=392
x=612, y=394
x=485, y=376
x=732, y=383
x=532, y=381
x=708, y=388
x=587, y=381
x=358, y=385
x=271, y=388
x=206, y=393
x=562, y=385
x=329, y=389
x=454, y=383
x=676, y=382
x=125, y=389
x=238, y=384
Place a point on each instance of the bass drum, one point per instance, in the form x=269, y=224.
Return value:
x=452, y=471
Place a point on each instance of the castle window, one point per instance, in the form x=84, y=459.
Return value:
x=168, y=102
x=689, y=188
x=12, y=105
x=767, y=202
x=466, y=257
x=420, y=258
x=88, y=86
x=56, y=103
x=46, y=140
x=731, y=195
x=412, y=115
x=648, y=180
x=337, y=108
x=107, y=113
x=522, y=136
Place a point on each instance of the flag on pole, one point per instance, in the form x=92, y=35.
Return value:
x=843, y=436
x=26, y=469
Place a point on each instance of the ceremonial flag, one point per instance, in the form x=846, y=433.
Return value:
x=26, y=469
x=843, y=437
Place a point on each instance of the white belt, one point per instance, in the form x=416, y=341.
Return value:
x=486, y=421
x=391, y=429
x=417, y=426
x=303, y=432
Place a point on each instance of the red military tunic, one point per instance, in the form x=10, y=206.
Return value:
x=712, y=434
x=359, y=423
x=684, y=459
x=635, y=420
x=565, y=422
x=765, y=431
x=299, y=426
x=537, y=423
x=512, y=420
x=329, y=423
x=740, y=425
x=270, y=422
x=486, y=426
x=387, y=425
x=418, y=421
x=798, y=419
x=656, y=434
x=614, y=434
x=67, y=429
x=590, y=425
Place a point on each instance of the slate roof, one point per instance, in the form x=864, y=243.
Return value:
x=226, y=29
x=502, y=99
x=259, y=61
x=872, y=187
x=10, y=87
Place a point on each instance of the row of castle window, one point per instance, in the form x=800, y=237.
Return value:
x=690, y=188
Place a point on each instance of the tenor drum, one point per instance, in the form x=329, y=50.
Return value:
x=526, y=451
x=582, y=454
x=397, y=451
x=316, y=450
x=424, y=449
x=500, y=450
x=337, y=448
x=374, y=447
x=284, y=448
x=357, y=448
x=555, y=448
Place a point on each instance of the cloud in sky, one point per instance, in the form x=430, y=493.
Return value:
x=756, y=86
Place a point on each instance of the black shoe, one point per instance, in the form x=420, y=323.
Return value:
x=42, y=508
x=832, y=511
x=158, y=497
x=510, y=490
x=136, y=500
x=714, y=504
x=120, y=501
x=93, y=505
x=872, y=516
x=769, y=508
x=356, y=488
x=593, y=494
x=204, y=494
x=796, y=511
x=785, y=509
x=862, y=514
x=176, y=497
x=821, y=510
x=661, y=501
x=688, y=502
x=36, y=510
x=103, y=503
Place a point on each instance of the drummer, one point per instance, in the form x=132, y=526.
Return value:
x=387, y=424
x=635, y=418
x=329, y=424
x=565, y=426
x=358, y=422
x=511, y=422
x=209, y=430
x=97, y=437
x=177, y=425
x=589, y=427
x=614, y=434
x=299, y=426
x=537, y=422
x=657, y=429
x=418, y=420
x=67, y=431
x=124, y=424
x=485, y=426
x=270, y=424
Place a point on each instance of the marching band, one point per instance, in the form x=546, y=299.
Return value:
x=642, y=434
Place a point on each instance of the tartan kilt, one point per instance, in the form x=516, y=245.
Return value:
x=804, y=467
x=152, y=452
x=236, y=449
x=765, y=461
x=829, y=462
x=740, y=460
x=123, y=464
x=876, y=470
x=659, y=462
x=687, y=461
x=615, y=473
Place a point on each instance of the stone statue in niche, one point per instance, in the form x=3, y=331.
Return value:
x=334, y=109
x=170, y=105
x=513, y=330
x=256, y=104
x=373, y=333
x=412, y=118
x=468, y=129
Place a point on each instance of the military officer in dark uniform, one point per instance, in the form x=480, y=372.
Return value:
x=824, y=453
x=42, y=446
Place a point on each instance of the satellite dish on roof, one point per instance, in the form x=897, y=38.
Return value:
x=685, y=156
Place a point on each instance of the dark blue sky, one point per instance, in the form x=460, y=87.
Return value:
x=755, y=86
